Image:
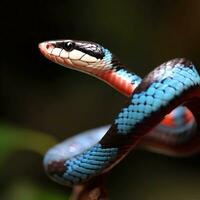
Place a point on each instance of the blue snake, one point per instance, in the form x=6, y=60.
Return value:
x=163, y=112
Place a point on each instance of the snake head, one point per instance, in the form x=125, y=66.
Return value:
x=84, y=56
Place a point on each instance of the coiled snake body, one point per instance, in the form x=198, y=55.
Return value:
x=162, y=112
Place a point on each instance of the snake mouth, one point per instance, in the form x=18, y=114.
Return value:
x=49, y=50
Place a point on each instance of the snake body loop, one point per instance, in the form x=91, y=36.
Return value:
x=152, y=111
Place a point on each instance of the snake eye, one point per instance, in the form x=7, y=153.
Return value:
x=69, y=46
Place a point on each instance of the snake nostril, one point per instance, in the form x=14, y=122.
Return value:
x=48, y=46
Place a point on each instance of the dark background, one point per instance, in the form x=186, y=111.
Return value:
x=41, y=100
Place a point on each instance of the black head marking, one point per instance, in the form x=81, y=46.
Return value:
x=67, y=45
x=90, y=48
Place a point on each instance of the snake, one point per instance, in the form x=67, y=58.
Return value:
x=162, y=112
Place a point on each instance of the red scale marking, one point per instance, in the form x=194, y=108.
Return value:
x=169, y=121
x=119, y=83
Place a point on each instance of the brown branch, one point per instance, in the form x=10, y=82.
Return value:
x=92, y=190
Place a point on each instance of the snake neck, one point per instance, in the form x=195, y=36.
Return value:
x=111, y=71
x=119, y=78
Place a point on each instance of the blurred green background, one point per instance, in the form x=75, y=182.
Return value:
x=42, y=102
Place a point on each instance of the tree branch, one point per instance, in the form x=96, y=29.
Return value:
x=93, y=190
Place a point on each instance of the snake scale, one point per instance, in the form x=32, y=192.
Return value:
x=163, y=112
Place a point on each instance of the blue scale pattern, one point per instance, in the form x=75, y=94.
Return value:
x=131, y=77
x=159, y=93
x=88, y=164
x=108, y=56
